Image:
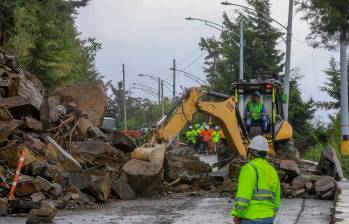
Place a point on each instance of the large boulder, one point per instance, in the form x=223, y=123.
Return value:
x=291, y=168
x=122, y=189
x=325, y=187
x=329, y=163
x=55, y=153
x=182, y=163
x=45, y=214
x=94, y=181
x=144, y=172
x=302, y=182
x=90, y=99
x=26, y=186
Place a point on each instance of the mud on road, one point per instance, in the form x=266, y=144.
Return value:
x=186, y=210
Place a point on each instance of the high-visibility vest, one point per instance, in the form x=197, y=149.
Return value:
x=196, y=132
x=258, y=195
x=191, y=136
x=215, y=136
x=255, y=110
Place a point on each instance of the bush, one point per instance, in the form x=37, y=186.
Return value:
x=333, y=139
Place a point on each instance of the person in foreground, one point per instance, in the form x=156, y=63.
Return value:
x=258, y=197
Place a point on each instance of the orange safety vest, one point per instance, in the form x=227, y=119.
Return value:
x=206, y=135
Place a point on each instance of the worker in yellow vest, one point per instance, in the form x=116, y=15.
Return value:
x=255, y=112
x=258, y=196
x=215, y=138
x=190, y=136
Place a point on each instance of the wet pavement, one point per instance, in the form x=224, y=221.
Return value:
x=186, y=210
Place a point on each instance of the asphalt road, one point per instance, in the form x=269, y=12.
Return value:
x=186, y=210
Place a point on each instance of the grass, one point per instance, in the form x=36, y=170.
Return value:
x=333, y=140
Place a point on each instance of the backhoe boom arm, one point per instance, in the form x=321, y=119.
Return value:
x=224, y=112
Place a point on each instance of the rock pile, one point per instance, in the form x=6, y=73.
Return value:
x=311, y=180
x=186, y=173
x=69, y=161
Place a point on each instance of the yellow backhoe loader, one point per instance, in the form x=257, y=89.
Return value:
x=224, y=109
x=145, y=169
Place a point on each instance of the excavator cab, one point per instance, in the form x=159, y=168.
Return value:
x=272, y=97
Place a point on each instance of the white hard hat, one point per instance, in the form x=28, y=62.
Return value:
x=259, y=143
x=190, y=126
x=207, y=127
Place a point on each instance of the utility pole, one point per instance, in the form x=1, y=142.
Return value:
x=174, y=81
x=162, y=99
x=344, y=98
x=159, y=90
x=214, y=61
x=124, y=96
x=241, y=72
x=288, y=58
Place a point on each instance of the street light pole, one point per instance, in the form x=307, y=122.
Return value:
x=150, y=89
x=159, y=89
x=162, y=99
x=288, y=58
x=124, y=96
x=344, y=98
x=191, y=76
x=174, y=81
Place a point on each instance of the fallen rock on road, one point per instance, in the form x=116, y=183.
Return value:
x=44, y=214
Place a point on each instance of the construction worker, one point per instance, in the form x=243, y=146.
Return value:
x=198, y=139
x=203, y=125
x=258, y=196
x=191, y=136
x=206, y=137
x=215, y=138
x=255, y=112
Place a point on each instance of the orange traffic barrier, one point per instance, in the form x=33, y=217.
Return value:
x=18, y=173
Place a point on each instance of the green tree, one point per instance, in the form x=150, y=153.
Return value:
x=262, y=59
x=141, y=112
x=43, y=36
x=331, y=86
x=328, y=20
x=7, y=21
x=301, y=115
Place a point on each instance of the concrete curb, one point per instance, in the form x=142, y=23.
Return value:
x=341, y=203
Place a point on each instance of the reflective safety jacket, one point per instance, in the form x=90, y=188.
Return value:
x=258, y=195
x=255, y=109
x=191, y=136
x=206, y=135
x=196, y=132
x=215, y=136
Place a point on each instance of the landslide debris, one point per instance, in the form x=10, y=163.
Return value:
x=69, y=161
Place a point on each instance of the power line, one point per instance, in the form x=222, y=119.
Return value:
x=195, y=60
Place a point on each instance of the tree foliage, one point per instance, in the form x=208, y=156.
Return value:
x=262, y=59
x=141, y=112
x=301, y=115
x=331, y=86
x=328, y=20
x=43, y=36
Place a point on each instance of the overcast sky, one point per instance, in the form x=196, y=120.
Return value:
x=147, y=34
